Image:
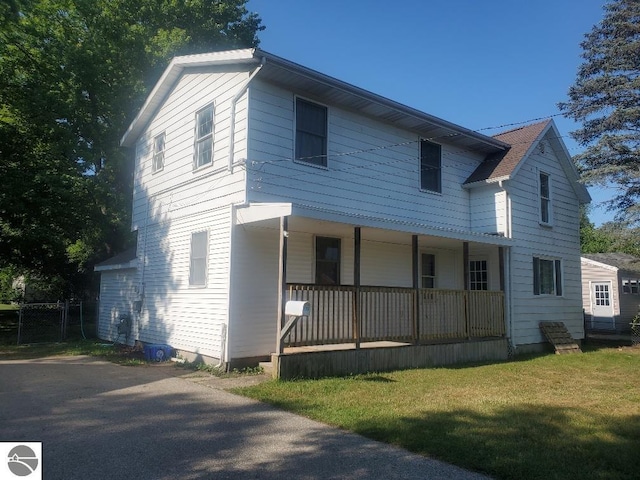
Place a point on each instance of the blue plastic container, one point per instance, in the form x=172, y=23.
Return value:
x=157, y=352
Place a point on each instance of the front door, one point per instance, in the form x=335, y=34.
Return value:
x=601, y=306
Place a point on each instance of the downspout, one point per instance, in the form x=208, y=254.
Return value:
x=234, y=101
x=507, y=253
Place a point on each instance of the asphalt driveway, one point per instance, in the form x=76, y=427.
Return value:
x=100, y=420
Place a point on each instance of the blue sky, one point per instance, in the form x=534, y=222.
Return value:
x=475, y=63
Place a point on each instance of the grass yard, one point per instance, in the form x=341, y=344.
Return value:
x=544, y=417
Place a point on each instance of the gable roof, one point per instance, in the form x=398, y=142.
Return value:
x=301, y=79
x=501, y=166
x=523, y=140
x=622, y=261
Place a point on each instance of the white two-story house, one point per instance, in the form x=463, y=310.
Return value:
x=415, y=241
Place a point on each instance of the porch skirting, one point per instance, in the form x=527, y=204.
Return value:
x=327, y=363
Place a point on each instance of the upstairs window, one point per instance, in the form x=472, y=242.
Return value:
x=158, y=153
x=204, y=137
x=311, y=133
x=327, y=261
x=430, y=166
x=428, y=270
x=198, y=259
x=547, y=277
x=545, y=198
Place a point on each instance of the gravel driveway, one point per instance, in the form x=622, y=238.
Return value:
x=100, y=420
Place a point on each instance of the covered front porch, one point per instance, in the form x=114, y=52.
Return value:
x=384, y=298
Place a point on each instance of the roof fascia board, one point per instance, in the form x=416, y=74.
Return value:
x=489, y=181
x=595, y=263
x=370, y=96
x=568, y=165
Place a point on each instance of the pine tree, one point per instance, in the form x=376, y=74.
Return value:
x=605, y=99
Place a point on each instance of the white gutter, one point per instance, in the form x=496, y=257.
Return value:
x=234, y=101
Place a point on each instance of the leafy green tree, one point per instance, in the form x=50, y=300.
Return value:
x=73, y=73
x=592, y=239
x=605, y=99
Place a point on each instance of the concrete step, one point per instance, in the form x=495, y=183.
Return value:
x=267, y=367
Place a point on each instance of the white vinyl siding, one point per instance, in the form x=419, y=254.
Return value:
x=562, y=242
x=374, y=168
x=190, y=319
x=117, y=293
x=177, y=117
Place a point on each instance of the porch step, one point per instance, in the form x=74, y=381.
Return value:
x=267, y=367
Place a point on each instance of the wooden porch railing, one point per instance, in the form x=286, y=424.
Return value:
x=389, y=313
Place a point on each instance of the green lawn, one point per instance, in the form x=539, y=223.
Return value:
x=544, y=417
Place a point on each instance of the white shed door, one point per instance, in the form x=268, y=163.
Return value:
x=601, y=306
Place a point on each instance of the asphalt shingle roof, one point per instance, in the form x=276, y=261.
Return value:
x=623, y=261
x=504, y=163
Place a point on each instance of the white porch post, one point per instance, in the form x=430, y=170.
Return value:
x=282, y=280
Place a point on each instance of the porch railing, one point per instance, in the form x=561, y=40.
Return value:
x=344, y=314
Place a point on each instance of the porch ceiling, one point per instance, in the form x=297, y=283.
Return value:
x=310, y=220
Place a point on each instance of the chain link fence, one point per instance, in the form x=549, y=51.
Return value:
x=635, y=330
x=54, y=322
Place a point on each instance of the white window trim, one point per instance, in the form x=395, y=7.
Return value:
x=196, y=140
x=295, y=132
x=539, y=197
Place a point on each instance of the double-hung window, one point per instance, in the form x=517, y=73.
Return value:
x=158, y=153
x=547, y=276
x=198, y=259
x=204, y=137
x=428, y=270
x=327, y=261
x=430, y=166
x=545, y=198
x=311, y=132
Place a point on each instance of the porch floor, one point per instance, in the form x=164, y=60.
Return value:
x=342, y=346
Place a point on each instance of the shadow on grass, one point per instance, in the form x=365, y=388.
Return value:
x=519, y=442
x=527, y=442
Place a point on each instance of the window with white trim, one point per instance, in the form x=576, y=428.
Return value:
x=327, y=261
x=478, y=275
x=428, y=270
x=158, y=153
x=198, y=259
x=545, y=198
x=547, y=276
x=311, y=132
x=204, y=137
x=430, y=166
